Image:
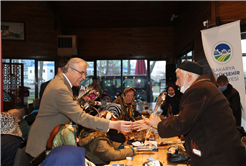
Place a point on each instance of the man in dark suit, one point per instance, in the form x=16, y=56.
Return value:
x=61, y=63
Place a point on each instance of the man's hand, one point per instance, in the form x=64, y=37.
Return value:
x=123, y=126
x=154, y=120
x=140, y=125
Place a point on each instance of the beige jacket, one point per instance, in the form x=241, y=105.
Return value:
x=57, y=107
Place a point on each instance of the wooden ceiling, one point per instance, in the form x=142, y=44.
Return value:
x=113, y=14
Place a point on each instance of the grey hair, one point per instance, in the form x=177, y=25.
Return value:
x=195, y=76
x=73, y=62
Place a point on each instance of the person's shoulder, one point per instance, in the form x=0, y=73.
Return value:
x=117, y=100
x=45, y=83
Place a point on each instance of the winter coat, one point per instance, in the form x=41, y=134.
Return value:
x=101, y=150
x=233, y=97
x=208, y=125
x=175, y=105
x=128, y=110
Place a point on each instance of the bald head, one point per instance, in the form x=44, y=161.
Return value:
x=15, y=113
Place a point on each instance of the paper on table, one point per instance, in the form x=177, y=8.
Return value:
x=137, y=143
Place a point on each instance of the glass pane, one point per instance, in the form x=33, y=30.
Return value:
x=189, y=56
x=90, y=74
x=29, y=78
x=183, y=58
x=158, y=77
x=109, y=74
x=90, y=69
x=243, y=46
x=244, y=70
x=5, y=60
x=46, y=72
x=135, y=76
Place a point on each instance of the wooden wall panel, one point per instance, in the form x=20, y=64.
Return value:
x=189, y=23
x=116, y=43
x=192, y=20
x=229, y=11
x=41, y=38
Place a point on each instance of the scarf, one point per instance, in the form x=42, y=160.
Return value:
x=127, y=109
x=9, y=125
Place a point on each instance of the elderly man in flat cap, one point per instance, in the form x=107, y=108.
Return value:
x=205, y=119
x=232, y=96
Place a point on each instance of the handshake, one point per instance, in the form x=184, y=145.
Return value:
x=128, y=126
x=143, y=124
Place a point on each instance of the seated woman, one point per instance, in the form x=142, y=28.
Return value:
x=99, y=148
x=170, y=106
x=105, y=93
x=128, y=105
x=64, y=134
x=113, y=134
x=11, y=137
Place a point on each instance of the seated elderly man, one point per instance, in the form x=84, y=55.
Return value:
x=128, y=105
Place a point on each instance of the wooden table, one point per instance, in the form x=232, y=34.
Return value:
x=141, y=156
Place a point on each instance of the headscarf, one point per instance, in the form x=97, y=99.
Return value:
x=127, y=109
x=9, y=125
x=173, y=86
x=65, y=155
x=65, y=135
x=106, y=91
x=169, y=99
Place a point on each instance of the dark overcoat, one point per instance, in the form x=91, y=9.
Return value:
x=233, y=97
x=208, y=125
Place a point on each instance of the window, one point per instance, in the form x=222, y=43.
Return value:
x=109, y=75
x=189, y=56
x=42, y=76
x=243, y=44
x=135, y=76
x=29, y=79
x=90, y=69
x=158, y=77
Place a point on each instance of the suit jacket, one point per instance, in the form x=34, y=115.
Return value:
x=208, y=125
x=57, y=107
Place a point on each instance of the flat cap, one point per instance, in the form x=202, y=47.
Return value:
x=192, y=67
x=222, y=78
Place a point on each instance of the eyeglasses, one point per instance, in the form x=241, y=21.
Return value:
x=81, y=72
